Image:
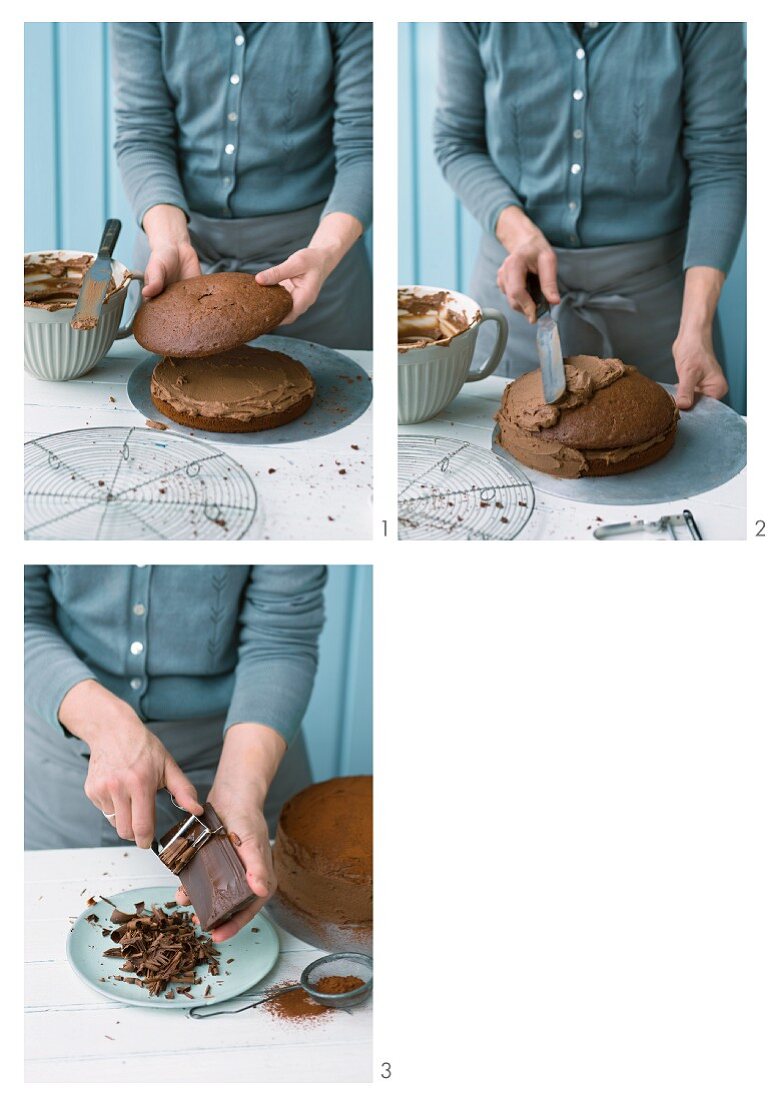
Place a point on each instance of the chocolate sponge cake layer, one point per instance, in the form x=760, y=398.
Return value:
x=209, y=314
x=245, y=389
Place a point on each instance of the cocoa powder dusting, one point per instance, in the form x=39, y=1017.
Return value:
x=334, y=983
x=297, y=1006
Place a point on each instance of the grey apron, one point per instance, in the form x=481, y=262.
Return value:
x=57, y=813
x=621, y=301
x=341, y=317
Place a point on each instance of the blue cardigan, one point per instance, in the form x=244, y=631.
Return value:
x=176, y=642
x=632, y=131
x=237, y=120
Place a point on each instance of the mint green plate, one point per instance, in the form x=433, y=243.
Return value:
x=253, y=955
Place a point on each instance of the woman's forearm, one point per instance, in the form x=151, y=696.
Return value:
x=250, y=757
x=702, y=290
x=334, y=236
x=89, y=711
x=163, y=223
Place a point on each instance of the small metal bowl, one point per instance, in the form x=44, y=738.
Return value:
x=356, y=964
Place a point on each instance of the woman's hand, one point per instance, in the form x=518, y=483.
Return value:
x=172, y=256
x=529, y=251
x=128, y=765
x=304, y=273
x=699, y=372
x=251, y=754
x=696, y=364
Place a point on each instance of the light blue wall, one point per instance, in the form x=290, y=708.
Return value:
x=339, y=720
x=71, y=178
x=437, y=236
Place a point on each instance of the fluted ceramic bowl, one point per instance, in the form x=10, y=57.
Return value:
x=56, y=352
x=430, y=377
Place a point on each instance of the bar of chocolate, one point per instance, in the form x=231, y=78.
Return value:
x=214, y=878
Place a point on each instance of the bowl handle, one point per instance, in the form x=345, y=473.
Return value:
x=125, y=330
x=494, y=358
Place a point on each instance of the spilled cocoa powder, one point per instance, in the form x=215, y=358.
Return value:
x=297, y=1006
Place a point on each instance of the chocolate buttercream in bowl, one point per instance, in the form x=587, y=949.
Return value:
x=55, y=350
x=436, y=336
x=52, y=280
x=427, y=316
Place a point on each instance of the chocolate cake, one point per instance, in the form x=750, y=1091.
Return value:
x=242, y=390
x=323, y=857
x=612, y=419
x=209, y=314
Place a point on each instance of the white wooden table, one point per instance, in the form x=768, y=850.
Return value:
x=720, y=513
x=68, y=1024
x=304, y=498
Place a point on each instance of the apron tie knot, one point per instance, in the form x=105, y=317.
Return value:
x=590, y=307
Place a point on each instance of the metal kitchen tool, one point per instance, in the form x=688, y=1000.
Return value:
x=361, y=966
x=134, y=483
x=96, y=280
x=709, y=450
x=640, y=526
x=343, y=393
x=450, y=489
x=553, y=371
x=177, y=847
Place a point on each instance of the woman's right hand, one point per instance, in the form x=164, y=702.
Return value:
x=172, y=256
x=128, y=764
x=529, y=251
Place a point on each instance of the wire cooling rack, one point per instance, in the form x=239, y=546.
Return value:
x=450, y=489
x=133, y=483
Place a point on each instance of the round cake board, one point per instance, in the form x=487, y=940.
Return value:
x=343, y=392
x=709, y=450
x=134, y=483
x=254, y=954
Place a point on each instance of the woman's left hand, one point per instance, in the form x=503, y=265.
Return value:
x=699, y=372
x=303, y=275
x=304, y=272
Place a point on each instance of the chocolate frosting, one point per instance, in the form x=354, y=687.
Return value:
x=240, y=384
x=582, y=429
x=428, y=319
x=53, y=282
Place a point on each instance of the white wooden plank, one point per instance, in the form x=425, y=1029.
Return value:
x=333, y=1062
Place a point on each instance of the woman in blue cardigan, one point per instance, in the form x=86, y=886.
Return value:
x=248, y=147
x=148, y=681
x=608, y=159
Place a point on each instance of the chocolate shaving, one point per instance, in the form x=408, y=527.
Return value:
x=159, y=949
x=91, y=901
x=117, y=917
